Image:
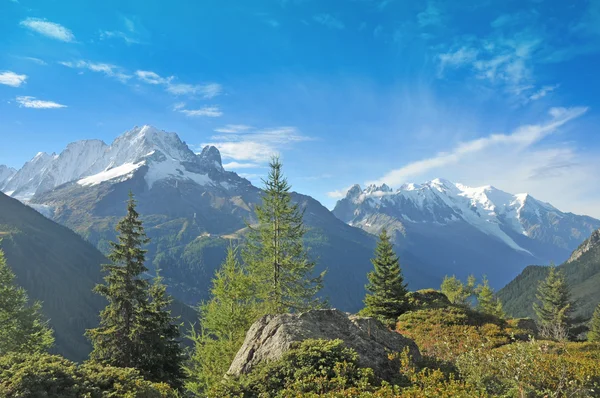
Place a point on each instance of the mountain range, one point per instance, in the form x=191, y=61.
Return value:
x=193, y=209
x=459, y=229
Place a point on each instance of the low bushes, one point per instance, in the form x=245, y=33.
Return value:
x=52, y=376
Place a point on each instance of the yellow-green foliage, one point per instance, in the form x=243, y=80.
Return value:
x=446, y=333
x=52, y=376
x=534, y=369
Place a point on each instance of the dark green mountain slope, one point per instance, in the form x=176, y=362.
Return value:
x=59, y=268
x=583, y=275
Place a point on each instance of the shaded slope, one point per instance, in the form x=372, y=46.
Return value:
x=583, y=275
x=57, y=267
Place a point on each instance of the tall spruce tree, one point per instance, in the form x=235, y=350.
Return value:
x=161, y=353
x=224, y=320
x=118, y=339
x=387, y=297
x=555, y=306
x=22, y=328
x=277, y=259
x=594, y=333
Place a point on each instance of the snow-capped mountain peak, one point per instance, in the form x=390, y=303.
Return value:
x=490, y=210
x=92, y=162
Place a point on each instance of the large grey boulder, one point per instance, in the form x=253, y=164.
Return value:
x=272, y=335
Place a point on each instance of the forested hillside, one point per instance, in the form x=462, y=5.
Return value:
x=56, y=267
x=60, y=269
x=582, y=272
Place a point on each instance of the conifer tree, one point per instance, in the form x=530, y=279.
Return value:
x=224, y=320
x=118, y=339
x=594, y=333
x=456, y=291
x=387, y=298
x=486, y=302
x=161, y=355
x=22, y=328
x=275, y=253
x=555, y=307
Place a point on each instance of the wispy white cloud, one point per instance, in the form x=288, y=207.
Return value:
x=329, y=21
x=36, y=60
x=432, y=15
x=49, y=29
x=207, y=111
x=542, y=92
x=520, y=139
x=238, y=165
x=32, y=102
x=233, y=128
x=322, y=176
x=256, y=146
x=209, y=90
x=107, y=69
x=339, y=194
x=463, y=56
x=117, y=34
x=12, y=79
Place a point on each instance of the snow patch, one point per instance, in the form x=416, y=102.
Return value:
x=174, y=169
x=124, y=170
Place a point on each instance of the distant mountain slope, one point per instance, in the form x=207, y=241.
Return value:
x=6, y=173
x=192, y=210
x=583, y=275
x=462, y=230
x=57, y=267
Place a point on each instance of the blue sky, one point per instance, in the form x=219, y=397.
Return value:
x=356, y=91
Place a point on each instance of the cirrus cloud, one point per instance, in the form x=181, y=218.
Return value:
x=49, y=29
x=32, y=102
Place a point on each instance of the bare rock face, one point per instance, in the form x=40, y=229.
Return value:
x=586, y=246
x=272, y=335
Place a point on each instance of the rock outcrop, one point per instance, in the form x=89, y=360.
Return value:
x=586, y=246
x=272, y=335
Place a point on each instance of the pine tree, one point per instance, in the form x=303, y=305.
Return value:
x=224, y=320
x=275, y=253
x=387, y=298
x=594, y=333
x=161, y=356
x=486, y=302
x=22, y=328
x=118, y=339
x=555, y=306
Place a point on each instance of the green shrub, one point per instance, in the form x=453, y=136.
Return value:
x=534, y=369
x=446, y=333
x=427, y=299
x=312, y=366
x=52, y=376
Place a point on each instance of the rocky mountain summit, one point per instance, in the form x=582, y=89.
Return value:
x=272, y=335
